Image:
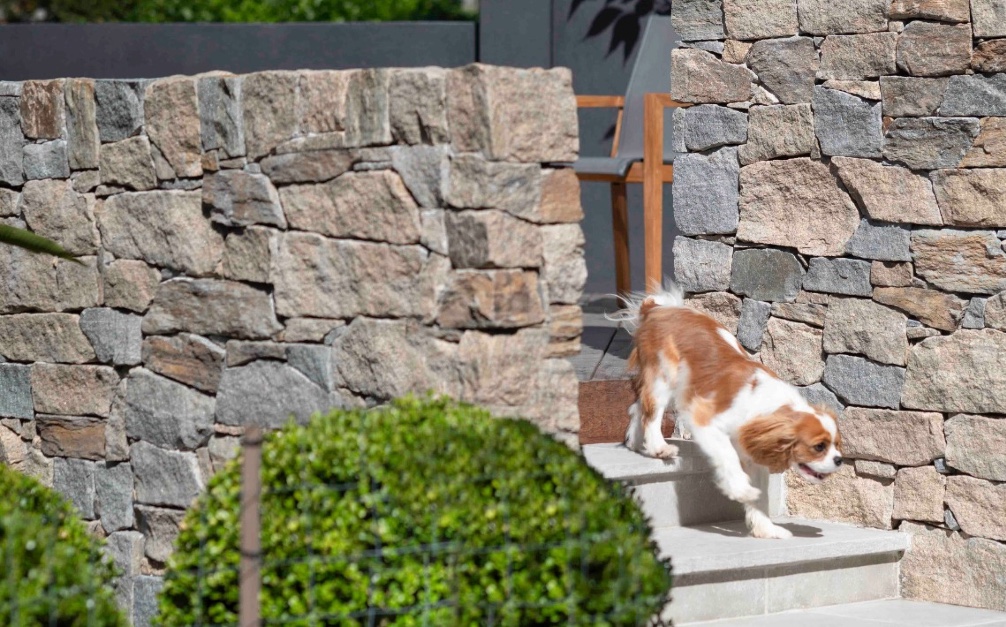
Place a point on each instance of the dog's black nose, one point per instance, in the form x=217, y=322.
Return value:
x=838, y=460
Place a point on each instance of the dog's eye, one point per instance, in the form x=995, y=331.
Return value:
x=820, y=447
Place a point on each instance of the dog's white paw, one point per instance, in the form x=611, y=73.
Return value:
x=771, y=531
x=741, y=491
x=662, y=450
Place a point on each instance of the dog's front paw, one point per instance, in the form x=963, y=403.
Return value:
x=663, y=450
x=741, y=491
x=771, y=531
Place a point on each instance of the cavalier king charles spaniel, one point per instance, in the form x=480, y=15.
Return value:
x=739, y=412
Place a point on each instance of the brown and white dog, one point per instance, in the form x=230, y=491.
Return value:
x=739, y=412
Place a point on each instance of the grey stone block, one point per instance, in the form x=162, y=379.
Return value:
x=880, y=242
x=930, y=143
x=169, y=478
x=951, y=522
x=767, y=275
x=974, y=315
x=425, y=170
x=846, y=125
x=160, y=530
x=12, y=142
x=15, y=391
x=113, y=487
x=817, y=394
x=711, y=126
x=786, y=67
x=221, y=122
x=701, y=266
x=696, y=20
x=46, y=161
x=268, y=393
x=706, y=192
x=166, y=413
x=976, y=95
x=850, y=277
x=115, y=336
x=74, y=479
x=859, y=381
x=752, y=323
x=119, y=108
x=941, y=466
x=314, y=361
x=145, y=591
x=716, y=47
x=126, y=550
x=10, y=88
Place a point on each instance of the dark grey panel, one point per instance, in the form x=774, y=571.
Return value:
x=39, y=51
x=516, y=33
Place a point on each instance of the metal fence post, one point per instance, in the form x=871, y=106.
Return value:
x=251, y=538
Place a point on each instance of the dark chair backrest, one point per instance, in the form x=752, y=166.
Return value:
x=650, y=74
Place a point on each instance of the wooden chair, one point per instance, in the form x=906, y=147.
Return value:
x=638, y=152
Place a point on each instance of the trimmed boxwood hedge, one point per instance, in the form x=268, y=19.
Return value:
x=424, y=512
x=51, y=571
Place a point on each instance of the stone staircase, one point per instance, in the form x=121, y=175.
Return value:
x=719, y=571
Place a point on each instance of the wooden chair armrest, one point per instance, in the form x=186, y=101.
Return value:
x=665, y=101
x=600, y=102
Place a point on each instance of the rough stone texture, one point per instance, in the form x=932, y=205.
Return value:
x=43, y=109
x=74, y=479
x=318, y=277
x=73, y=390
x=164, y=228
x=940, y=10
x=760, y=19
x=706, y=192
x=878, y=470
x=918, y=494
x=808, y=313
x=989, y=17
x=849, y=277
x=905, y=438
x=113, y=488
x=309, y=166
x=71, y=436
x=560, y=198
x=995, y=312
x=240, y=353
x=793, y=351
x=565, y=270
x=46, y=161
x=237, y=198
x=864, y=89
x=492, y=239
x=858, y=381
x=702, y=266
x=211, y=307
x=778, y=131
x=973, y=198
x=712, y=126
x=786, y=67
x=698, y=76
x=722, y=307
x=188, y=358
x=844, y=497
x=905, y=96
x=989, y=148
x=766, y=274
x=128, y=164
x=976, y=445
x=221, y=126
x=863, y=327
x=171, y=119
x=115, y=336
x=847, y=126
x=130, y=285
x=474, y=183
x=145, y=591
x=160, y=527
x=977, y=95
x=323, y=97
x=81, y=124
x=974, y=315
x=889, y=193
x=858, y=57
x=368, y=205
x=819, y=395
x=962, y=372
x=54, y=210
x=418, y=106
x=119, y=109
x=960, y=261
x=933, y=308
x=268, y=393
x=248, y=255
x=930, y=49
x=15, y=391
x=752, y=324
x=163, y=477
x=770, y=189
x=269, y=110
x=166, y=413
x=978, y=506
x=880, y=242
x=821, y=17
x=695, y=20
x=930, y=143
x=989, y=57
x=11, y=142
x=55, y=338
x=946, y=567
x=495, y=299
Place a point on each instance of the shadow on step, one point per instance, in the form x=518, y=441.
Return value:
x=798, y=530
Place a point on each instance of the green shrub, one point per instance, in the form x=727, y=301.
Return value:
x=53, y=572
x=425, y=512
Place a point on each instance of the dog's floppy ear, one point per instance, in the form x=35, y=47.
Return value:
x=769, y=440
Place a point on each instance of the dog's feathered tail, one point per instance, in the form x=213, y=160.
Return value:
x=636, y=304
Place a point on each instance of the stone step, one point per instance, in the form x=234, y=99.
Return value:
x=888, y=613
x=720, y=572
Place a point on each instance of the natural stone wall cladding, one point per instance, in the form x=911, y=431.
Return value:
x=255, y=247
x=843, y=206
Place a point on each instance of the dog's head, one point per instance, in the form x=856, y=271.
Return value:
x=806, y=441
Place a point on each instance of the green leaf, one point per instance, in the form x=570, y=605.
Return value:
x=34, y=243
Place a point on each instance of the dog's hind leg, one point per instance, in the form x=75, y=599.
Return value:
x=653, y=401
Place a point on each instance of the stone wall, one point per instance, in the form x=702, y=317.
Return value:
x=841, y=206
x=284, y=242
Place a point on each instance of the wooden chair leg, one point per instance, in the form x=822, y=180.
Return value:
x=653, y=190
x=620, y=229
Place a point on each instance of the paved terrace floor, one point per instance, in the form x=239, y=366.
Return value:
x=893, y=613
